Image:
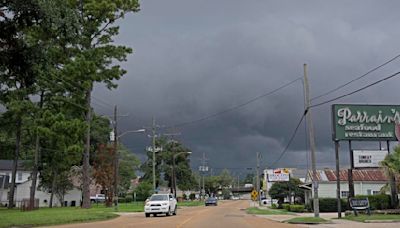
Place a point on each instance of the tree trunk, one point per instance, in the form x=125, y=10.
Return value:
x=15, y=163
x=86, y=155
x=53, y=187
x=36, y=165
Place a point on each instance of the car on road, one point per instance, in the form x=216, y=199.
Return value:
x=98, y=198
x=211, y=201
x=160, y=204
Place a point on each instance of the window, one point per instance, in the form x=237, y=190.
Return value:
x=20, y=176
x=369, y=191
x=376, y=192
x=344, y=194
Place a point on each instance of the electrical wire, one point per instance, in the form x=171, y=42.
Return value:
x=356, y=91
x=356, y=79
x=290, y=141
x=234, y=107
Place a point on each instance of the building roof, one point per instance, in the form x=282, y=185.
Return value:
x=8, y=164
x=358, y=175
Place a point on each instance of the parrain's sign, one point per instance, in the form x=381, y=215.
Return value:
x=278, y=175
x=366, y=122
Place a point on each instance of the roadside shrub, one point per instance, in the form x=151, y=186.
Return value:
x=377, y=202
x=273, y=206
x=328, y=205
x=296, y=208
x=184, y=196
x=286, y=206
x=192, y=196
x=129, y=198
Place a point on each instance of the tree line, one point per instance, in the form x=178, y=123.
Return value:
x=52, y=52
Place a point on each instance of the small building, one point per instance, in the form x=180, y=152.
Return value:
x=366, y=182
x=23, y=185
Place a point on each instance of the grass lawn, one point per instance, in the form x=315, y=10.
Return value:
x=307, y=220
x=51, y=216
x=257, y=211
x=190, y=203
x=362, y=218
x=122, y=207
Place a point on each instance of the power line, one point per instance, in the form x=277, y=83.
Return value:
x=234, y=107
x=358, y=78
x=355, y=91
x=290, y=140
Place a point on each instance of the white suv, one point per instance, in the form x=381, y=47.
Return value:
x=160, y=204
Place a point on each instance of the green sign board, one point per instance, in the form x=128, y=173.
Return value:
x=365, y=122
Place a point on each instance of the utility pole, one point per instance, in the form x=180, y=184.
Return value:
x=258, y=177
x=153, y=128
x=203, y=168
x=312, y=143
x=116, y=160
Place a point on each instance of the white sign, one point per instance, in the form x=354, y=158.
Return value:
x=368, y=158
x=277, y=175
x=157, y=149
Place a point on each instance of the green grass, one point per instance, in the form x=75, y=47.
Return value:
x=307, y=220
x=190, y=203
x=362, y=218
x=122, y=207
x=51, y=216
x=258, y=211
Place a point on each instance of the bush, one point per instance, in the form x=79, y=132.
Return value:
x=377, y=202
x=192, y=196
x=328, y=205
x=296, y=208
x=286, y=206
x=143, y=191
x=273, y=206
x=184, y=196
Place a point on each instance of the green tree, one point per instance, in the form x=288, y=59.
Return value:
x=282, y=190
x=128, y=165
x=143, y=191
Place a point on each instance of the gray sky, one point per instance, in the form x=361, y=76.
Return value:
x=195, y=58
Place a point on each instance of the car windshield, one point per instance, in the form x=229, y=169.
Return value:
x=211, y=199
x=158, y=197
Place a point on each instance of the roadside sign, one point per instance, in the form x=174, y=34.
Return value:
x=254, y=195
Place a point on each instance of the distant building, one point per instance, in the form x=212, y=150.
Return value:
x=366, y=182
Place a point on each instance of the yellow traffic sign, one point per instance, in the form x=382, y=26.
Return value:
x=254, y=195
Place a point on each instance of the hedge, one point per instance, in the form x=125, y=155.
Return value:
x=296, y=208
x=328, y=205
x=377, y=202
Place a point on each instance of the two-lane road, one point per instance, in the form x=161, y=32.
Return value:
x=228, y=214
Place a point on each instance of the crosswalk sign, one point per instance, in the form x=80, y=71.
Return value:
x=254, y=195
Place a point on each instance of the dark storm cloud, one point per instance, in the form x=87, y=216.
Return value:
x=195, y=58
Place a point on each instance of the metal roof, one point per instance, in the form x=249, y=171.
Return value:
x=358, y=175
x=8, y=164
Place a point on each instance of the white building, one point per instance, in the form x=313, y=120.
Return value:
x=366, y=182
x=23, y=184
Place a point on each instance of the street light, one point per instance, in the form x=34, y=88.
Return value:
x=116, y=161
x=173, y=169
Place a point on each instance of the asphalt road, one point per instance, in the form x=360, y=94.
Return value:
x=228, y=214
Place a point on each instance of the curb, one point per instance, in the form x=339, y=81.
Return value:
x=381, y=221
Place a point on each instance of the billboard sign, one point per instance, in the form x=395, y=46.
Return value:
x=278, y=175
x=368, y=158
x=365, y=122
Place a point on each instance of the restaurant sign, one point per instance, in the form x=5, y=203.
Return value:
x=366, y=122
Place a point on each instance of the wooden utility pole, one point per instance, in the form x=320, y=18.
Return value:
x=312, y=143
x=116, y=159
x=258, y=177
x=350, y=172
x=339, y=203
x=153, y=128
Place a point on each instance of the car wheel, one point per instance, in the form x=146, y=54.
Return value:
x=147, y=215
x=155, y=215
x=175, y=210
x=169, y=212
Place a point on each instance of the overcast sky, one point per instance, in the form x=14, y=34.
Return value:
x=194, y=58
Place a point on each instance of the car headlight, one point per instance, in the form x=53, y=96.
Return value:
x=147, y=204
x=164, y=204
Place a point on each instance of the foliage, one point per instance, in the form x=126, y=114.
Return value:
x=376, y=217
x=296, y=208
x=192, y=196
x=328, y=205
x=128, y=164
x=282, y=190
x=143, y=191
x=104, y=171
x=392, y=161
x=377, y=202
x=286, y=206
